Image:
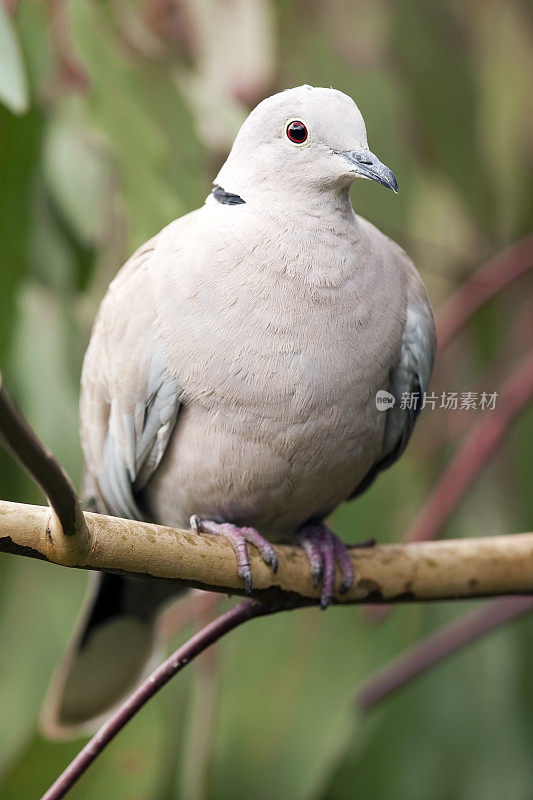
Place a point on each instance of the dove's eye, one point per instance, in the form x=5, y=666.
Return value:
x=296, y=131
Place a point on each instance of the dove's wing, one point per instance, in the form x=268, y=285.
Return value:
x=411, y=375
x=129, y=405
x=130, y=400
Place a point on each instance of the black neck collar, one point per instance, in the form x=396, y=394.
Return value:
x=226, y=198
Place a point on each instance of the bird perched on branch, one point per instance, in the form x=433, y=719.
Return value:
x=231, y=378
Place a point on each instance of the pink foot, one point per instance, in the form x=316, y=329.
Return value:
x=239, y=538
x=322, y=548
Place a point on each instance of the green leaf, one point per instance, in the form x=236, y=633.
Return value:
x=77, y=173
x=285, y=713
x=128, y=765
x=147, y=125
x=13, y=84
x=460, y=732
x=42, y=380
x=35, y=618
x=19, y=152
x=432, y=47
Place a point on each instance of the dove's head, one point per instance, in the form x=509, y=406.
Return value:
x=305, y=137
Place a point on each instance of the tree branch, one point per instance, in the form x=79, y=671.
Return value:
x=38, y=461
x=452, y=569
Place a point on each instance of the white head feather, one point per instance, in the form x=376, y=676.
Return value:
x=335, y=152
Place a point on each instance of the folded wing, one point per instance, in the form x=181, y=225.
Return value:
x=130, y=401
x=409, y=378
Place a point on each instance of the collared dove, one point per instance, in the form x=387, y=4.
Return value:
x=232, y=374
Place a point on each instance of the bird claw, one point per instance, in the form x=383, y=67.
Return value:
x=323, y=548
x=196, y=523
x=268, y=554
x=239, y=538
x=245, y=574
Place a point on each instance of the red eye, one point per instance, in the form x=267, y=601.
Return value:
x=297, y=132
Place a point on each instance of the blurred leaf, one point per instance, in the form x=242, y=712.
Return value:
x=440, y=219
x=505, y=112
x=285, y=713
x=466, y=713
x=43, y=386
x=35, y=618
x=432, y=47
x=33, y=28
x=131, y=105
x=235, y=65
x=77, y=172
x=219, y=117
x=175, y=721
x=128, y=764
x=523, y=447
x=51, y=258
x=19, y=150
x=13, y=84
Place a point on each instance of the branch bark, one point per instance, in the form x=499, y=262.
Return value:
x=452, y=569
x=38, y=461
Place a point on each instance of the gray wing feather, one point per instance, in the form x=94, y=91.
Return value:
x=135, y=442
x=130, y=399
x=411, y=375
x=158, y=420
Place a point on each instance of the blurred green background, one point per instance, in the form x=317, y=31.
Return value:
x=114, y=118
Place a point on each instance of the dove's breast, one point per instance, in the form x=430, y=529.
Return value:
x=279, y=374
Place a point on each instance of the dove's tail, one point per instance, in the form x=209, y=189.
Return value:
x=110, y=651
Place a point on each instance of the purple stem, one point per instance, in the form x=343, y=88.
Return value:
x=240, y=613
x=485, y=283
x=435, y=648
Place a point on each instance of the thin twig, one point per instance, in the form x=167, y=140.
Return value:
x=40, y=464
x=487, y=281
x=11, y=6
x=204, y=707
x=191, y=607
x=247, y=609
x=435, y=648
x=70, y=70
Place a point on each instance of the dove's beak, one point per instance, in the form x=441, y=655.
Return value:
x=366, y=165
